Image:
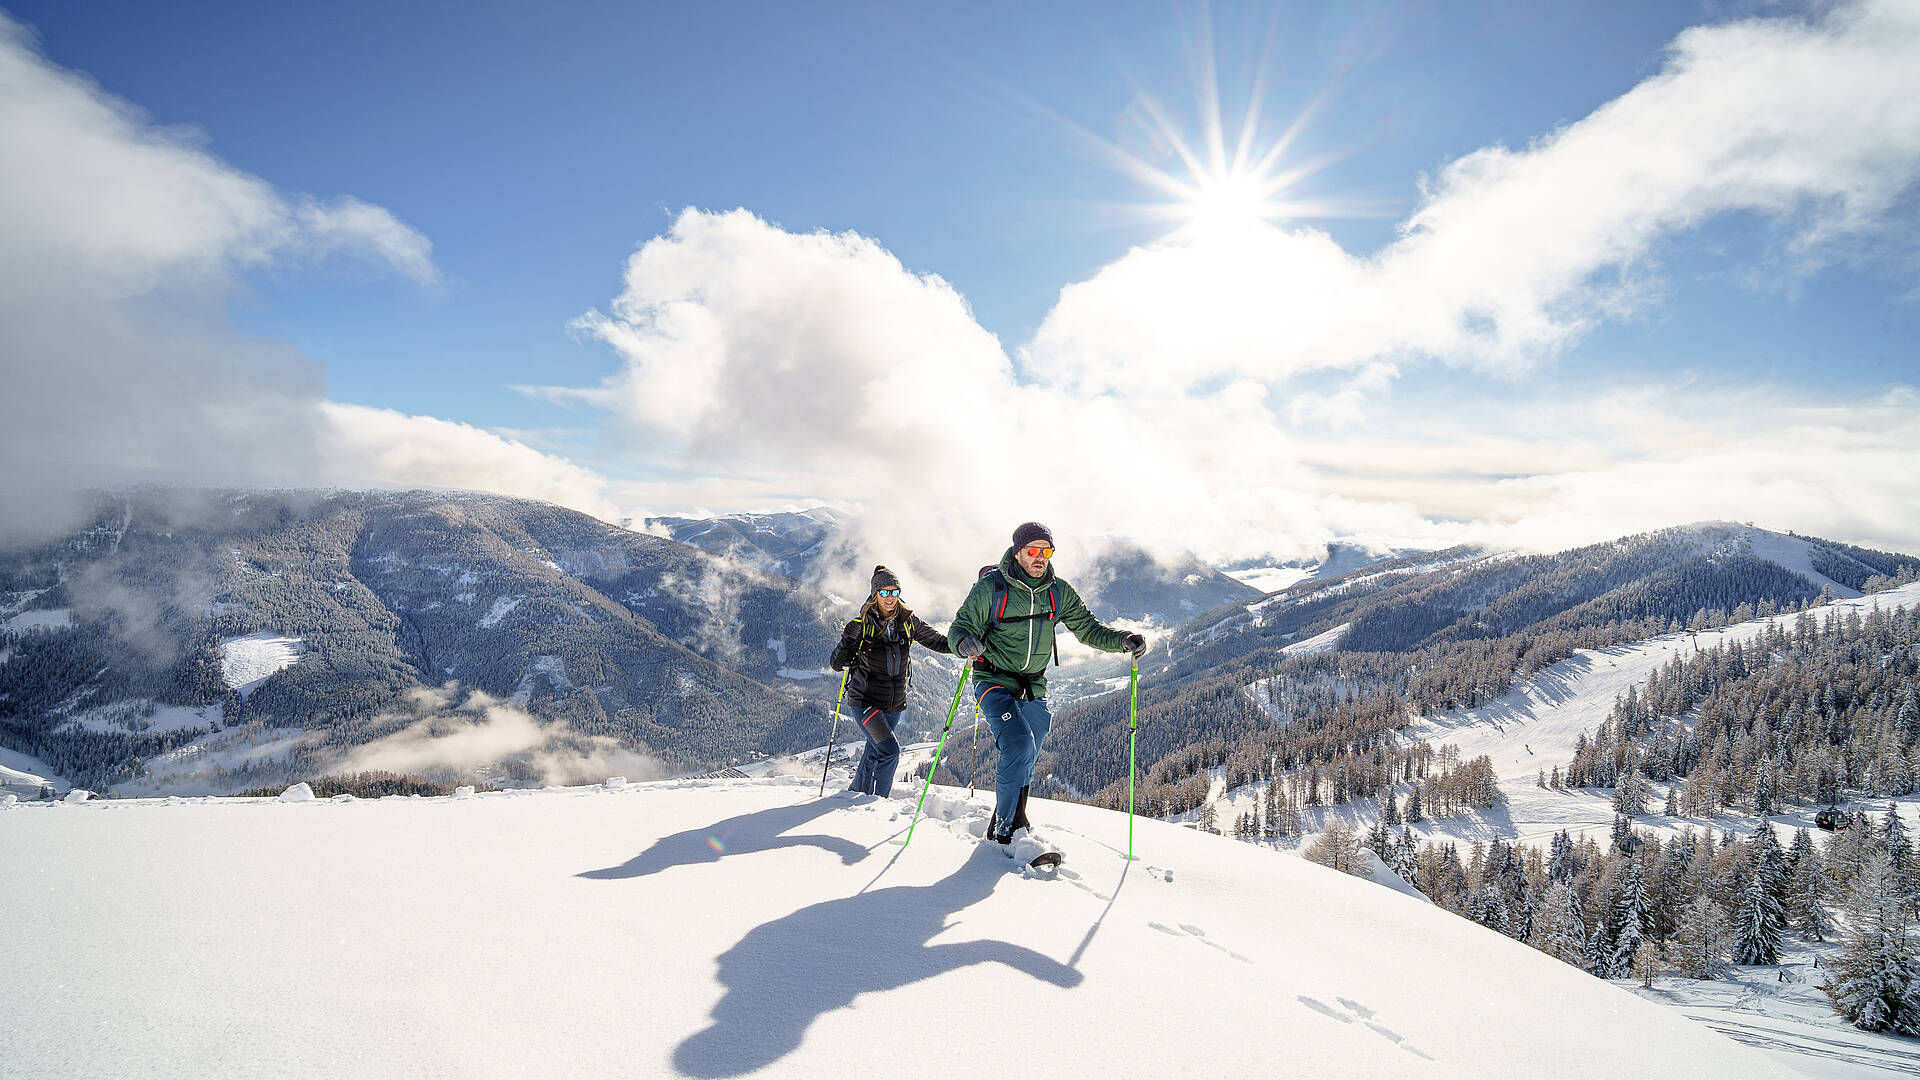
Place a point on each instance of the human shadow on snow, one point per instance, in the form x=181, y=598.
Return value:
x=789, y=972
x=762, y=830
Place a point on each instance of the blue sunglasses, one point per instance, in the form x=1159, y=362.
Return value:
x=887, y=592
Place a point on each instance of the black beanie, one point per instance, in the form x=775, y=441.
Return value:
x=1030, y=531
x=884, y=578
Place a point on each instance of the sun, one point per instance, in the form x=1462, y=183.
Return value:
x=1232, y=200
x=1207, y=179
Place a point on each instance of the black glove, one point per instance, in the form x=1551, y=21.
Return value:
x=1135, y=644
x=967, y=645
x=849, y=642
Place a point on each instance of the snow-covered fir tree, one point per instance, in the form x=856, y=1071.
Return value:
x=1490, y=910
x=1560, y=927
x=1561, y=862
x=1699, y=947
x=1630, y=919
x=1757, y=922
x=1406, y=858
x=1630, y=797
x=1875, y=982
x=1763, y=787
x=1807, y=891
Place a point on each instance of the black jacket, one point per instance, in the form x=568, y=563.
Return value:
x=876, y=647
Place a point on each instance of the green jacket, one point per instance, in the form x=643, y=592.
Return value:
x=1024, y=646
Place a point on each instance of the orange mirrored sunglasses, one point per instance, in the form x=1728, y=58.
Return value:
x=1039, y=551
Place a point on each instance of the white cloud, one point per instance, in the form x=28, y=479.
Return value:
x=1548, y=472
x=122, y=244
x=457, y=742
x=761, y=365
x=366, y=447
x=1513, y=254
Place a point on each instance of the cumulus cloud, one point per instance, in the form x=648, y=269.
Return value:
x=446, y=735
x=123, y=242
x=1513, y=254
x=819, y=360
x=1161, y=399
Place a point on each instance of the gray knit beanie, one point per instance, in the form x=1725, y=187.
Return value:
x=1030, y=531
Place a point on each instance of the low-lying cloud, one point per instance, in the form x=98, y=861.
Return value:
x=454, y=736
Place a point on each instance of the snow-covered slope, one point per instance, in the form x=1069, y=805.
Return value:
x=734, y=928
x=246, y=662
x=24, y=775
x=1534, y=727
x=1794, y=554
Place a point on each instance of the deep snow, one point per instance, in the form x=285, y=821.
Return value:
x=743, y=927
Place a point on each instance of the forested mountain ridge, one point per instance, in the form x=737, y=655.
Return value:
x=1322, y=672
x=619, y=634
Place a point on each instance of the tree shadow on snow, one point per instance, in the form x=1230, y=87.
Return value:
x=762, y=830
x=786, y=973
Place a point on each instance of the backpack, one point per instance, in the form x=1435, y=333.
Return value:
x=997, y=608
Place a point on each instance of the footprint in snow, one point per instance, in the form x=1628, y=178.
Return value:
x=1353, y=1010
x=1197, y=934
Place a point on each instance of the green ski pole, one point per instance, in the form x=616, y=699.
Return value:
x=1133, y=739
x=836, y=730
x=952, y=711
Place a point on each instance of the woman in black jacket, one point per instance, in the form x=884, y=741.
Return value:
x=875, y=646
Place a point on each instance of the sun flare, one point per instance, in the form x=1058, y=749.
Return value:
x=1235, y=199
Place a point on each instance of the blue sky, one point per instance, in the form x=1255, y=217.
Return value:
x=536, y=148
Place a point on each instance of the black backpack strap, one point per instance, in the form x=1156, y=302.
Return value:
x=989, y=672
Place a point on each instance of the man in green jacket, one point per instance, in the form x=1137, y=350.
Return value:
x=1006, y=626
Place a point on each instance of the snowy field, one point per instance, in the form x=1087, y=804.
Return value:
x=744, y=928
x=1271, y=579
x=23, y=774
x=1790, y=1021
x=54, y=619
x=246, y=662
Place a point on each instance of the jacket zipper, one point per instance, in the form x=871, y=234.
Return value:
x=1033, y=608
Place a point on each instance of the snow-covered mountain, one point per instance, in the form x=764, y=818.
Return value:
x=747, y=928
x=182, y=617
x=1120, y=580
x=791, y=543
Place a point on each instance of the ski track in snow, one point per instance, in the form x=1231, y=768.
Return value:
x=723, y=928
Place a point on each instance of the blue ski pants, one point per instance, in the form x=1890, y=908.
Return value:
x=1019, y=727
x=881, y=755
